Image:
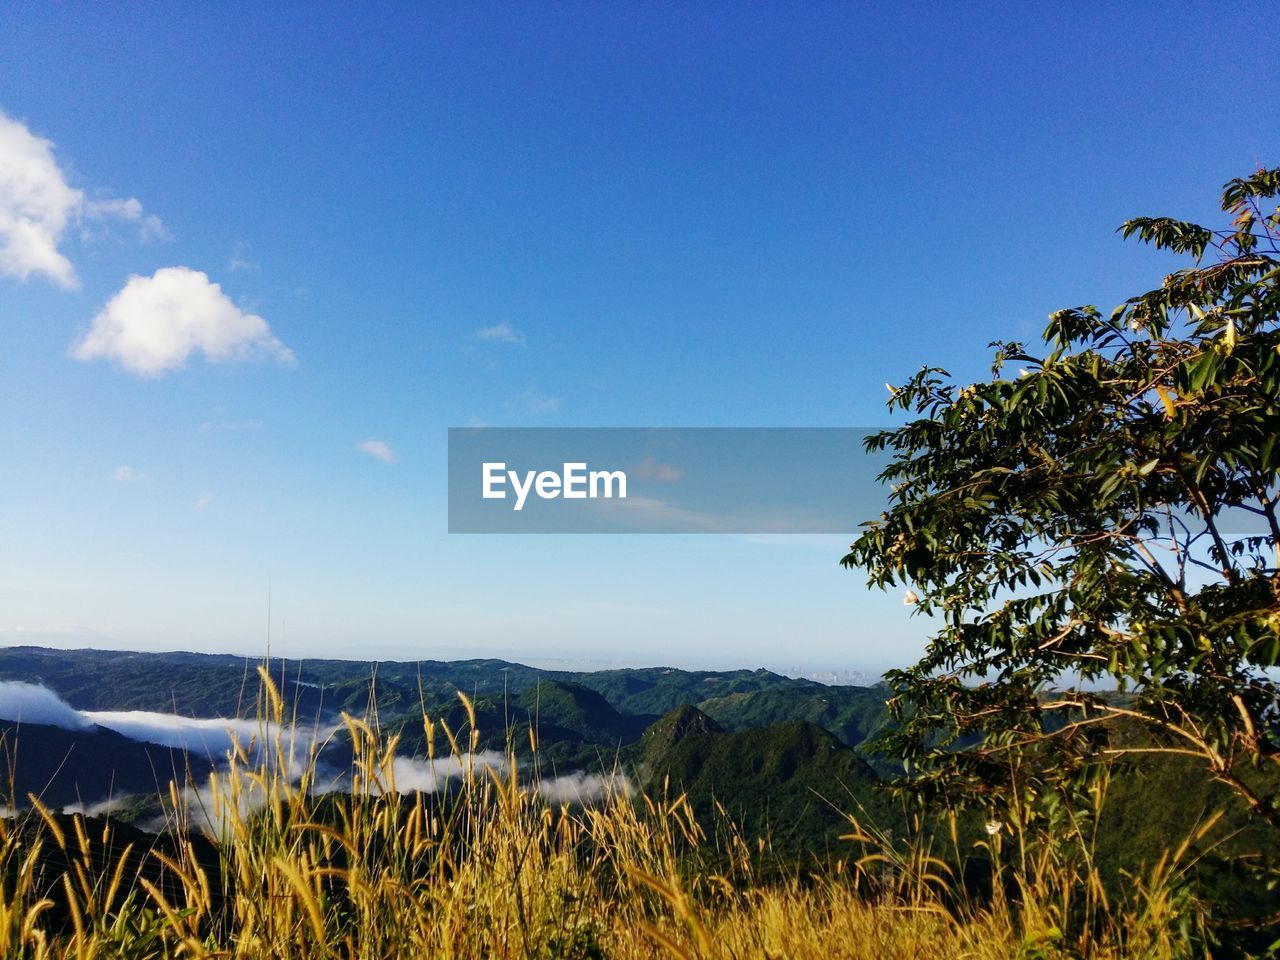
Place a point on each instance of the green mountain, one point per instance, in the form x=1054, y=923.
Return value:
x=793, y=782
x=655, y=690
x=852, y=714
x=681, y=723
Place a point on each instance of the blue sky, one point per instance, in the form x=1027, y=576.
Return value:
x=537, y=215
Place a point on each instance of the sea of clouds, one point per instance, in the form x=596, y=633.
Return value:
x=217, y=737
x=32, y=703
x=212, y=737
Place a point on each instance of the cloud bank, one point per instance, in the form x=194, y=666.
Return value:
x=154, y=324
x=583, y=787
x=211, y=737
x=416, y=775
x=216, y=737
x=32, y=703
x=419, y=775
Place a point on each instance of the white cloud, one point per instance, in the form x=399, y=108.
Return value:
x=582, y=787
x=502, y=333
x=416, y=775
x=37, y=205
x=126, y=474
x=103, y=807
x=32, y=703
x=419, y=775
x=203, y=500
x=299, y=748
x=213, y=737
x=155, y=323
x=378, y=449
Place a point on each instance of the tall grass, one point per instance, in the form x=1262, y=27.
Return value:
x=488, y=869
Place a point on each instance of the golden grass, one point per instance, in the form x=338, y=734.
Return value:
x=496, y=872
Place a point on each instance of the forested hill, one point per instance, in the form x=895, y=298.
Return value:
x=779, y=745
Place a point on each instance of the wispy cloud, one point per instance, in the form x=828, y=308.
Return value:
x=153, y=325
x=655, y=514
x=535, y=403
x=378, y=449
x=240, y=260
x=150, y=227
x=126, y=474
x=501, y=333
x=203, y=501
x=650, y=469
x=37, y=205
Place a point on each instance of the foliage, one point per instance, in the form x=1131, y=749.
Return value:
x=1106, y=516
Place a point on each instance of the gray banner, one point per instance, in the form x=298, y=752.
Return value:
x=662, y=480
x=675, y=480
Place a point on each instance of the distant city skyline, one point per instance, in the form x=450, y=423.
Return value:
x=255, y=261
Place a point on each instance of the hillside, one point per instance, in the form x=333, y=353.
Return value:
x=575, y=726
x=792, y=782
x=64, y=767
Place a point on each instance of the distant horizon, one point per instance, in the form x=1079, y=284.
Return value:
x=547, y=663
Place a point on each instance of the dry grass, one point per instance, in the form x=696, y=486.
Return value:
x=496, y=872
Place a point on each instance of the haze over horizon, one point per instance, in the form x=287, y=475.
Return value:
x=244, y=294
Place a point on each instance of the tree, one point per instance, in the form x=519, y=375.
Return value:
x=1106, y=517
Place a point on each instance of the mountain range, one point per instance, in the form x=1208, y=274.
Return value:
x=786, y=760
